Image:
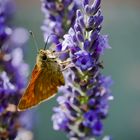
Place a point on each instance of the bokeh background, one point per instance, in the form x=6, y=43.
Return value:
x=122, y=62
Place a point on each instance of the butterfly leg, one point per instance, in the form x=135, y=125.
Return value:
x=66, y=62
x=68, y=66
x=60, y=53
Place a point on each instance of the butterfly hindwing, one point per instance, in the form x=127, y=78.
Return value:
x=47, y=83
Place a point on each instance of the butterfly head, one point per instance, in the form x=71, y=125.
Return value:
x=45, y=56
x=42, y=55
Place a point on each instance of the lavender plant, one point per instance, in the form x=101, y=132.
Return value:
x=84, y=100
x=13, y=73
x=59, y=17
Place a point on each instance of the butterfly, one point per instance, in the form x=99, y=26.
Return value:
x=45, y=79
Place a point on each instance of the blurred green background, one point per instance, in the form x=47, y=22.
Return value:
x=122, y=62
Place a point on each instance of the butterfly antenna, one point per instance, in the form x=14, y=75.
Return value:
x=48, y=40
x=35, y=42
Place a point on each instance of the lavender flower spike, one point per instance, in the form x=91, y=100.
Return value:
x=59, y=17
x=84, y=100
x=13, y=73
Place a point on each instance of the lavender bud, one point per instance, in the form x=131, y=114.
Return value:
x=80, y=36
x=91, y=21
x=81, y=21
x=78, y=13
x=96, y=5
x=85, y=2
x=94, y=35
x=77, y=27
x=98, y=20
x=88, y=9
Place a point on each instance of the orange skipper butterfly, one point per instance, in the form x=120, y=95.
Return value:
x=45, y=79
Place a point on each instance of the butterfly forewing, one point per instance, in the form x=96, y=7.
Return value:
x=48, y=81
x=28, y=99
x=43, y=85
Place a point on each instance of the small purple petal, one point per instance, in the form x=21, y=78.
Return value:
x=94, y=35
x=88, y=9
x=78, y=13
x=81, y=21
x=84, y=60
x=98, y=20
x=80, y=36
x=97, y=128
x=85, y=2
x=96, y=5
x=77, y=27
x=86, y=44
x=91, y=102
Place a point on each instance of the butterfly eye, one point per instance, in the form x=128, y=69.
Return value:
x=44, y=57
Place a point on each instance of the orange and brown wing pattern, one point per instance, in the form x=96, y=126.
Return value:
x=28, y=99
x=43, y=85
x=46, y=85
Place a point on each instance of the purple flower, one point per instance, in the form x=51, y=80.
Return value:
x=5, y=15
x=7, y=89
x=5, y=84
x=59, y=17
x=61, y=120
x=89, y=118
x=84, y=102
x=97, y=128
x=102, y=44
x=13, y=72
x=83, y=60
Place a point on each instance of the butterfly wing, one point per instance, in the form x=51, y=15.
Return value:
x=47, y=83
x=43, y=85
x=28, y=99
